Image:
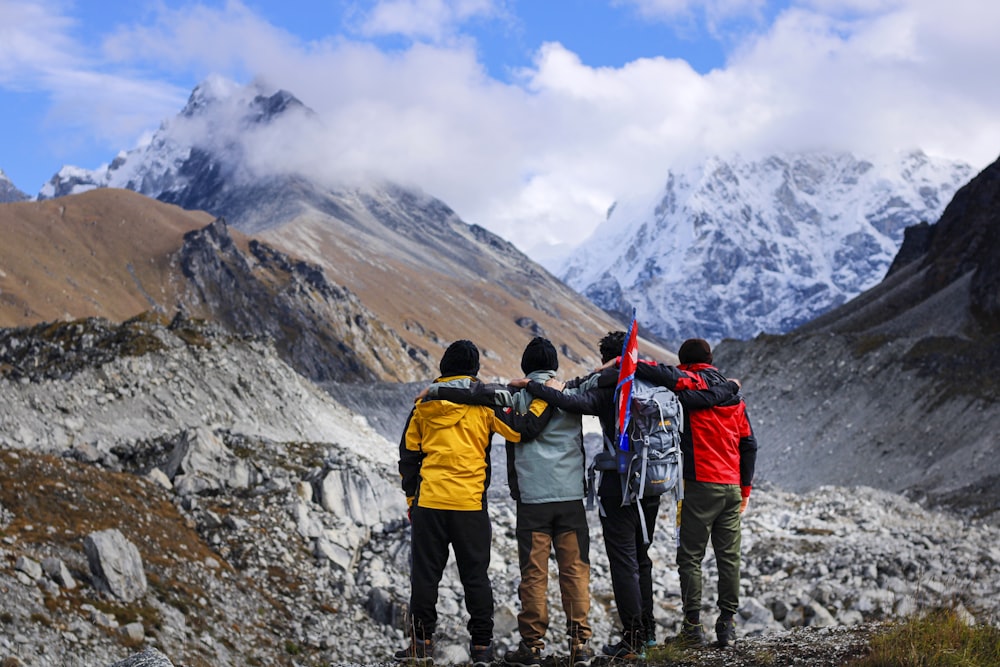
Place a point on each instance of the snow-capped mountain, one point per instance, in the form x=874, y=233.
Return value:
x=737, y=247
x=252, y=156
x=223, y=138
x=8, y=191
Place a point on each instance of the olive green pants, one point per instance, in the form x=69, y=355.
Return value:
x=710, y=512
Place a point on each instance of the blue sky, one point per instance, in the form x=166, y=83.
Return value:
x=515, y=112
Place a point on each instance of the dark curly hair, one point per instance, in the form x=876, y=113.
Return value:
x=611, y=345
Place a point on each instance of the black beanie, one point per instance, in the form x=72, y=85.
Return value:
x=695, y=351
x=539, y=355
x=461, y=358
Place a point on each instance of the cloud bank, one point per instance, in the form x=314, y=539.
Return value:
x=540, y=156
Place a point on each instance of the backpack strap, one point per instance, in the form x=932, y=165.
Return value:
x=592, y=481
x=642, y=523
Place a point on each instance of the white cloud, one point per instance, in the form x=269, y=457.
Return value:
x=433, y=20
x=910, y=75
x=33, y=41
x=540, y=159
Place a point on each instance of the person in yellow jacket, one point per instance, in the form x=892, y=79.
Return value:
x=444, y=464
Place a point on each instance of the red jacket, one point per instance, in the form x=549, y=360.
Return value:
x=718, y=443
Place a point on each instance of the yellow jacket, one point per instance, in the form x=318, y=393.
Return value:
x=444, y=457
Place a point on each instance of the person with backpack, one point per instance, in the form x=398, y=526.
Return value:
x=719, y=453
x=547, y=480
x=444, y=466
x=627, y=527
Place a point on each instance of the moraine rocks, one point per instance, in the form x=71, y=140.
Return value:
x=291, y=534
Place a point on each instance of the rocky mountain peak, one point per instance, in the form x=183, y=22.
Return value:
x=734, y=247
x=951, y=267
x=258, y=104
x=417, y=267
x=8, y=191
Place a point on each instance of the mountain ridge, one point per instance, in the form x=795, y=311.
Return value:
x=737, y=247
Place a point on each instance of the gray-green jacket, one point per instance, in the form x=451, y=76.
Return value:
x=552, y=467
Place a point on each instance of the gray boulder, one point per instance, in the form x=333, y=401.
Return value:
x=58, y=572
x=200, y=462
x=115, y=564
x=150, y=657
x=362, y=497
x=29, y=567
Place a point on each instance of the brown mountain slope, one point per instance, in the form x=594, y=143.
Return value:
x=114, y=254
x=104, y=253
x=434, y=279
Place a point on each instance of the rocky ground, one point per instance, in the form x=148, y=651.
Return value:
x=269, y=530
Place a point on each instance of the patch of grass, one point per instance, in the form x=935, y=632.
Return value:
x=765, y=658
x=59, y=502
x=667, y=654
x=938, y=638
x=40, y=618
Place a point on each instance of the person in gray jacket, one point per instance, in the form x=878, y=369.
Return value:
x=547, y=479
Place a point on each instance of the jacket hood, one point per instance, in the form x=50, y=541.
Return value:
x=443, y=414
x=541, y=376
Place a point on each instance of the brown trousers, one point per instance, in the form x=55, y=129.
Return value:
x=540, y=528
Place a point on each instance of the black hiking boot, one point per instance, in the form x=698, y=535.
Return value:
x=419, y=652
x=580, y=655
x=631, y=647
x=482, y=655
x=725, y=630
x=523, y=656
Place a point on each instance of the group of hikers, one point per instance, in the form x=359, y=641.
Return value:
x=444, y=464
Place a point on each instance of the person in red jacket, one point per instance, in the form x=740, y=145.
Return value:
x=720, y=452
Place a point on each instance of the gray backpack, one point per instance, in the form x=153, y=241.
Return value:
x=652, y=466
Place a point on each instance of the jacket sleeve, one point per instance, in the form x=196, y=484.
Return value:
x=517, y=427
x=411, y=457
x=477, y=393
x=748, y=456
x=578, y=381
x=691, y=389
x=581, y=403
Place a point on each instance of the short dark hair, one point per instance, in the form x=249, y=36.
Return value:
x=611, y=345
x=695, y=351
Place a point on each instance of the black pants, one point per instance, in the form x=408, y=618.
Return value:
x=631, y=568
x=470, y=535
